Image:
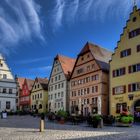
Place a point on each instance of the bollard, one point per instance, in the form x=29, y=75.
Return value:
x=42, y=122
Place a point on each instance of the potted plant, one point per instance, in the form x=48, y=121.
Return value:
x=62, y=116
x=96, y=120
x=124, y=119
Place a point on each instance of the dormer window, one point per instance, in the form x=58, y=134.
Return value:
x=134, y=19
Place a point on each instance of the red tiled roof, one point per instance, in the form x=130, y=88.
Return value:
x=43, y=82
x=101, y=55
x=66, y=63
x=30, y=83
x=20, y=81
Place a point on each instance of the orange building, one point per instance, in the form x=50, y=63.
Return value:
x=89, y=82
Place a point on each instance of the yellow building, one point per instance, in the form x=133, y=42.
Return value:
x=39, y=95
x=125, y=68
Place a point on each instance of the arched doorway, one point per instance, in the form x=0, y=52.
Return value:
x=136, y=110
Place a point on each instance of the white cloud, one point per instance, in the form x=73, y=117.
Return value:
x=41, y=69
x=34, y=60
x=83, y=9
x=19, y=20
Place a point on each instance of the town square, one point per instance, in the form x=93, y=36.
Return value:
x=69, y=69
x=27, y=127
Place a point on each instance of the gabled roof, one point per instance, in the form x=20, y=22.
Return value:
x=30, y=83
x=101, y=55
x=66, y=63
x=20, y=81
x=43, y=82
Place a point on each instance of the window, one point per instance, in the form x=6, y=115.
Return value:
x=38, y=85
x=7, y=105
x=134, y=87
x=125, y=53
x=58, y=105
x=81, y=91
x=61, y=104
x=40, y=106
x=40, y=95
x=138, y=48
x=119, y=90
x=134, y=33
x=87, y=79
x=1, y=64
x=95, y=77
x=56, y=78
x=62, y=85
x=134, y=19
x=85, y=90
x=58, y=94
x=33, y=97
x=80, y=71
x=88, y=68
x=94, y=89
x=62, y=94
x=4, y=76
x=55, y=87
x=4, y=90
x=59, y=77
x=134, y=68
x=51, y=97
x=52, y=80
x=78, y=92
x=82, y=58
x=120, y=106
x=55, y=95
x=88, y=90
x=55, y=105
x=87, y=101
x=10, y=91
x=118, y=72
x=51, y=88
x=58, y=86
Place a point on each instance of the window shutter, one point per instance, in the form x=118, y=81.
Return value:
x=129, y=51
x=124, y=89
x=129, y=69
x=113, y=73
x=124, y=70
x=113, y=91
x=96, y=88
x=121, y=54
x=129, y=88
x=138, y=48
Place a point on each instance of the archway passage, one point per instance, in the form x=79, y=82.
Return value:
x=137, y=111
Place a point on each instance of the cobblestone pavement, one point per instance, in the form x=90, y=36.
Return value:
x=27, y=128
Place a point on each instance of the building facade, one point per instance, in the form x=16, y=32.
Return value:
x=24, y=97
x=58, y=83
x=8, y=87
x=89, y=82
x=39, y=95
x=20, y=82
x=125, y=68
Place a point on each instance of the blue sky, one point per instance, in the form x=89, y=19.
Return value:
x=32, y=32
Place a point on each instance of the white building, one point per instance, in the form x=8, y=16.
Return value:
x=8, y=87
x=58, y=83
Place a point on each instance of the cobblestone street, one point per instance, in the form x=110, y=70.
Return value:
x=27, y=127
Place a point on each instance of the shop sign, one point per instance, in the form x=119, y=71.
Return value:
x=120, y=99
